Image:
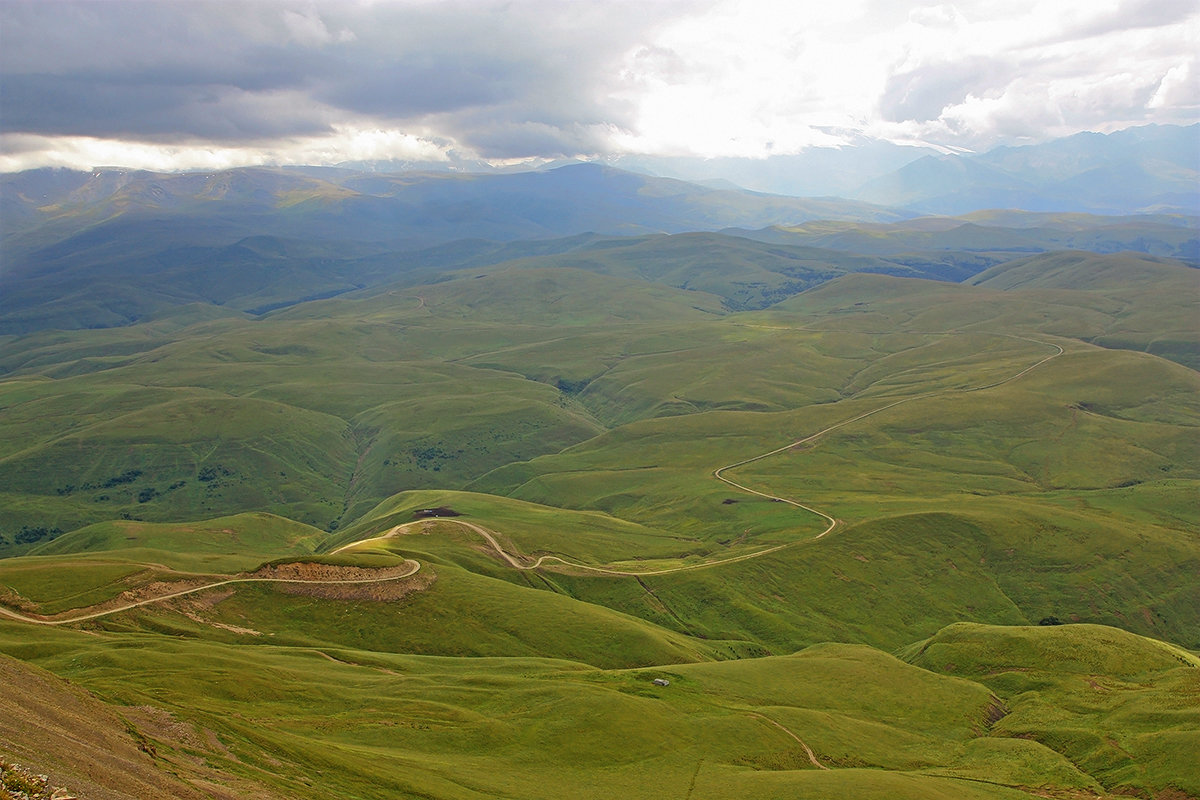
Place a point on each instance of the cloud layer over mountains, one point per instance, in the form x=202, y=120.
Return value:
x=214, y=84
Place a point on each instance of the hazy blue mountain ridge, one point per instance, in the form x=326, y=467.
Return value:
x=115, y=246
x=1152, y=169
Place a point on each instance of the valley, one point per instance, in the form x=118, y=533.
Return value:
x=896, y=506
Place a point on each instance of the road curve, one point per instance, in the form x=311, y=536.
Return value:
x=719, y=475
x=513, y=562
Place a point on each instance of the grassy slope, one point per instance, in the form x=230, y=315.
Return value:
x=329, y=441
x=360, y=724
x=980, y=505
x=525, y=529
x=1010, y=233
x=395, y=364
x=93, y=749
x=1125, y=707
x=98, y=562
x=967, y=486
x=242, y=541
x=1157, y=296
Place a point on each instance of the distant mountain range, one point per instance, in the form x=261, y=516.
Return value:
x=113, y=246
x=1153, y=169
x=420, y=208
x=1149, y=169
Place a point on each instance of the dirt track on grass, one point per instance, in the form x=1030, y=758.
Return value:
x=812, y=757
x=514, y=562
x=718, y=473
x=833, y=523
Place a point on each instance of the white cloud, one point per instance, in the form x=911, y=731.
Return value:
x=1177, y=88
x=747, y=78
x=945, y=15
x=307, y=28
x=346, y=143
x=753, y=77
x=542, y=78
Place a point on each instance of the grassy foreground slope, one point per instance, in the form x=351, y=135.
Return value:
x=94, y=749
x=1106, y=712
x=311, y=694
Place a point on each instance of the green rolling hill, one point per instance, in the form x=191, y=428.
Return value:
x=112, y=248
x=909, y=520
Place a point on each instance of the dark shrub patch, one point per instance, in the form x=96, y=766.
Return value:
x=440, y=511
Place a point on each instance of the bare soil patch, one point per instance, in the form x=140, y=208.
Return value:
x=382, y=592
x=310, y=571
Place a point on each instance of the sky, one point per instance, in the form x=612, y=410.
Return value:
x=206, y=85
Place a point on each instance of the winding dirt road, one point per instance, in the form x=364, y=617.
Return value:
x=719, y=475
x=512, y=561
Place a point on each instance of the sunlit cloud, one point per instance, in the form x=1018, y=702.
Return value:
x=756, y=77
x=24, y=151
x=171, y=85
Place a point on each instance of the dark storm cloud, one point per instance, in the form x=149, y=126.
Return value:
x=268, y=81
x=148, y=72
x=157, y=112
x=508, y=139
x=508, y=80
x=240, y=72
x=404, y=90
